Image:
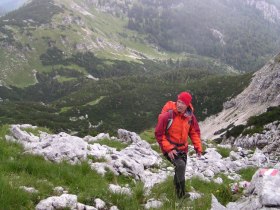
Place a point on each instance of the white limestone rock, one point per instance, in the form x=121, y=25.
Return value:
x=58, y=202
x=114, y=208
x=152, y=203
x=259, y=158
x=119, y=190
x=212, y=154
x=194, y=195
x=100, y=136
x=218, y=180
x=99, y=204
x=129, y=137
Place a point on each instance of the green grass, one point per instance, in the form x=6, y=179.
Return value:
x=247, y=173
x=149, y=136
x=91, y=103
x=221, y=191
x=110, y=29
x=62, y=79
x=223, y=151
x=36, y=131
x=94, y=102
x=20, y=169
x=13, y=69
x=94, y=159
x=111, y=143
x=11, y=198
x=65, y=109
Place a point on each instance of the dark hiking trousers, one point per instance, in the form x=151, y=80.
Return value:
x=179, y=162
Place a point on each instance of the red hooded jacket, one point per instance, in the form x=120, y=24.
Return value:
x=182, y=127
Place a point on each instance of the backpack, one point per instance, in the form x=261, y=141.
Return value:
x=170, y=118
x=170, y=121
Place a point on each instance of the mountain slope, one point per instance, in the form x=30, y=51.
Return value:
x=76, y=59
x=263, y=92
x=28, y=33
x=240, y=33
x=130, y=31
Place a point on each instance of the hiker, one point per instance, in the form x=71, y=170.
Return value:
x=175, y=124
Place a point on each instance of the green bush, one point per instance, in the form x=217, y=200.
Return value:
x=251, y=131
x=272, y=114
x=235, y=131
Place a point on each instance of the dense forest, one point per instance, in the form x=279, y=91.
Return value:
x=230, y=31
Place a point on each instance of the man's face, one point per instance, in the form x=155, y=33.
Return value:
x=181, y=106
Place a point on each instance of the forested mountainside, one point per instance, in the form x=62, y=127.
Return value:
x=240, y=33
x=45, y=35
x=84, y=66
x=86, y=106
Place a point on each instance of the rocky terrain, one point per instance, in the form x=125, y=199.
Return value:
x=140, y=162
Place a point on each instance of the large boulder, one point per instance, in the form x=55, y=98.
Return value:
x=262, y=193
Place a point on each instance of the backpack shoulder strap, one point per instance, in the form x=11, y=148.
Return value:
x=169, y=120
